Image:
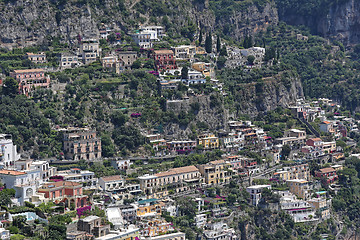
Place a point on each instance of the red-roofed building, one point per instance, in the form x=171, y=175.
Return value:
x=164, y=60
x=329, y=173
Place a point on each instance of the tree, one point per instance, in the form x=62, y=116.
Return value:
x=218, y=44
x=221, y=62
x=200, y=37
x=118, y=118
x=208, y=43
x=285, y=151
x=5, y=196
x=10, y=87
x=223, y=51
x=247, y=42
x=111, y=37
x=251, y=59
x=184, y=72
x=136, y=64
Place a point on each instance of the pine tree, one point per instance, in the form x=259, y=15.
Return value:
x=218, y=44
x=208, y=43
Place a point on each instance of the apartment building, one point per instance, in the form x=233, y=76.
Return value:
x=30, y=79
x=208, y=141
x=216, y=172
x=89, y=50
x=81, y=143
x=300, y=171
x=164, y=60
x=177, y=179
x=36, y=57
x=255, y=193
x=112, y=183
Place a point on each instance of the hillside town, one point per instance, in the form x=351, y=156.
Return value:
x=200, y=183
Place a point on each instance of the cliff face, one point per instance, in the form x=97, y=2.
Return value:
x=256, y=99
x=342, y=22
x=24, y=22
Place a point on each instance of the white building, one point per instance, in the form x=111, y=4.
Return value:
x=4, y=234
x=121, y=164
x=299, y=210
x=68, y=60
x=80, y=176
x=171, y=236
x=255, y=193
x=219, y=231
x=114, y=215
x=200, y=220
x=8, y=152
x=112, y=183
x=25, y=183
x=146, y=38
x=43, y=166
x=160, y=31
x=89, y=50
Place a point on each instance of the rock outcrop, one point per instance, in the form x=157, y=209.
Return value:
x=24, y=22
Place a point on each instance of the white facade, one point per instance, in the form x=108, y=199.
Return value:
x=4, y=234
x=121, y=164
x=8, y=152
x=112, y=183
x=43, y=166
x=25, y=183
x=145, y=38
x=68, y=60
x=79, y=176
x=159, y=30
x=255, y=193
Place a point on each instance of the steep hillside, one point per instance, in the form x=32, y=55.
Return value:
x=338, y=19
x=28, y=22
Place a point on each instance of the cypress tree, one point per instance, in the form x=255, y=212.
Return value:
x=218, y=44
x=208, y=43
x=200, y=37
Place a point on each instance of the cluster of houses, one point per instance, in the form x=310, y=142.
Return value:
x=120, y=60
x=303, y=200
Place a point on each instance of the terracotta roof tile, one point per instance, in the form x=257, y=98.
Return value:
x=11, y=172
x=327, y=170
x=175, y=171
x=112, y=178
x=29, y=70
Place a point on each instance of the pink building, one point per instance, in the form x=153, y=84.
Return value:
x=29, y=79
x=164, y=60
x=71, y=193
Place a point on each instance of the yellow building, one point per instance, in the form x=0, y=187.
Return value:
x=299, y=187
x=322, y=205
x=154, y=227
x=204, y=68
x=216, y=172
x=149, y=207
x=282, y=175
x=208, y=141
